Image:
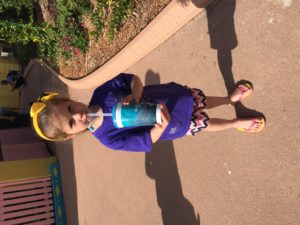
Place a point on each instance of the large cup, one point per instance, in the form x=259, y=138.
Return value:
x=140, y=114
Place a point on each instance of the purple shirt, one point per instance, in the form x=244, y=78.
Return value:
x=176, y=97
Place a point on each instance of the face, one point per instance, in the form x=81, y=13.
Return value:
x=71, y=117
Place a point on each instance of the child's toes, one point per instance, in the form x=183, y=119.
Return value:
x=241, y=92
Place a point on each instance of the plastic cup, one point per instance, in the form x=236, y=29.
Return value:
x=141, y=114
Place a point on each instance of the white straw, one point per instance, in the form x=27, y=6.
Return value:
x=99, y=114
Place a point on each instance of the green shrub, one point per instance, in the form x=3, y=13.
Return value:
x=121, y=9
x=19, y=33
x=70, y=30
x=25, y=52
x=110, y=14
x=22, y=7
x=67, y=36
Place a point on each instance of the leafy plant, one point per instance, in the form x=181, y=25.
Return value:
x=5, y=4
x=109, y=15
x=98, y=19
x=67, y=36
x=70, y=30
x=18, y=33
x=20, y=6
x=25, y=52
x=121, y=9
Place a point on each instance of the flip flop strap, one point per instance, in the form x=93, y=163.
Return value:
x=252, y=125
x=242, y=91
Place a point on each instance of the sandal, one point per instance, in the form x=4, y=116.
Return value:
x=244, y=92
x=251, y=128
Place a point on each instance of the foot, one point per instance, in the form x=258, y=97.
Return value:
x=250, y=124
x=240, y=92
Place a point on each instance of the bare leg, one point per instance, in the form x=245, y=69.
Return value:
x=215, y=124
x=235, y=96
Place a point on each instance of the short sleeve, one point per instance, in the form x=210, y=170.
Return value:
x=123, y=81
x=131, y=140
x=120, y=84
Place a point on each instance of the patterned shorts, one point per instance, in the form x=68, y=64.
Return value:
x=199, y=118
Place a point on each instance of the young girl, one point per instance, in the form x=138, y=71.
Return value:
x=57, y=119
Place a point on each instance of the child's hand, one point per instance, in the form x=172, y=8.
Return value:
x=165, y=116
x=127, y=99
x=158, y=129
x=130, y=98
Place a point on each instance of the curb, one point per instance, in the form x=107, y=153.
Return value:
x=168, y=22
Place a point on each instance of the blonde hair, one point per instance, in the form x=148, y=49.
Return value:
x=46, y=120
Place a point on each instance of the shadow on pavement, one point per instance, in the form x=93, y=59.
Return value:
x=39, y=79
x=197, y=3
x=223, y=38
x=161, y=166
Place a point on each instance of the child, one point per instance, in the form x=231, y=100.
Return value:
x=57, y=119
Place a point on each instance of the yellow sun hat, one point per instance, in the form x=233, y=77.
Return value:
x=36, y=108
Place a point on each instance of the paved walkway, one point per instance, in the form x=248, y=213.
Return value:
x=224, y=178
x=40, y=79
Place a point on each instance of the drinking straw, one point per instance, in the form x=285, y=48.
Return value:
x=99, y=114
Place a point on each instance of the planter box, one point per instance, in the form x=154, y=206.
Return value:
x=169, y=21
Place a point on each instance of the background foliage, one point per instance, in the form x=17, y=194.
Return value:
x=67, y=35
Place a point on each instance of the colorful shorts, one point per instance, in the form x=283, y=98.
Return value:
x=199, y=118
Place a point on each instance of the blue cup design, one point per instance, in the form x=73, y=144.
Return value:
x=141, y=114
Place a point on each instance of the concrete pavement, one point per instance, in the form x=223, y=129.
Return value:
x=40, y=79
x=224, y=178
x=227, y=178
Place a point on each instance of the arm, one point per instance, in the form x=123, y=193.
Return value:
x=138, y=139
x=136, y=90
x=158, y=129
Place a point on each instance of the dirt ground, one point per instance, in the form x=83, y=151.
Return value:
x=101, y=49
